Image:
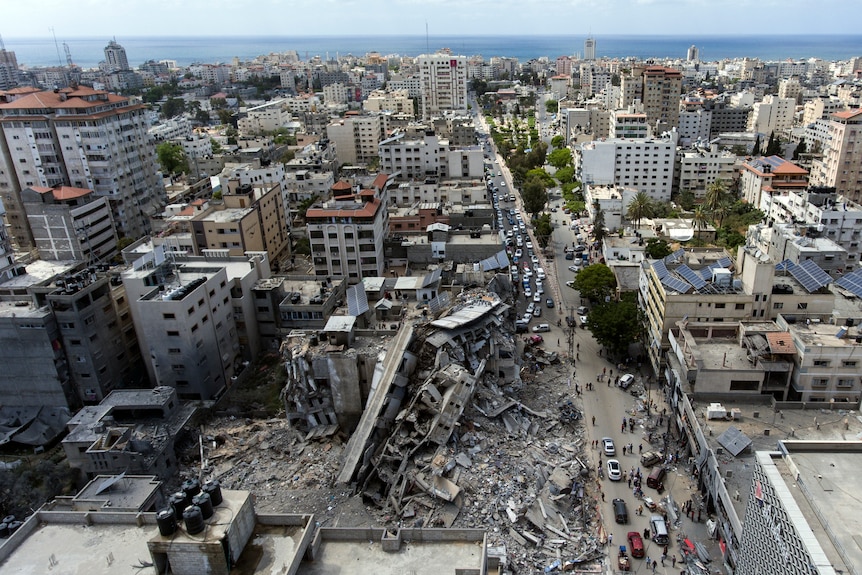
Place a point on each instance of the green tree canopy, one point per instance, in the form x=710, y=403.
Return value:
x=773, y=146
x=173, y=107
x=558, y=141
x=640, y=207
x=657, y=248
x=565, y=175
x=595, y=282
x=560, y=158
x=543, y=230
x=534, y=195
x=599, y=223
x=172, y=158
x=551, y=106
x=616, y=325
x=715, y=195
x=541, y=175
x=216, y=147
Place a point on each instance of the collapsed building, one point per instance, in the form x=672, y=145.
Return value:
x=445, y=425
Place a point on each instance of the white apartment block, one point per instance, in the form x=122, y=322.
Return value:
x=789, y=88
x=397, y=101
x=695, y=126
x=171, y=129
x=356, y=138
x=256, y=176
x=628, y=124
x=304, y=184
x=267, y=117
x=85, y=139
x=841, y=166
x=594, y=79
x=816, y=135
x=443, y=81
x=411, y=83
x=591, y=122
x=196, y=146
x=700, y=167
x=287, y=79
x=646, y=165
x=764, y=177
x=302, y=103
x=446, y=192
x=335, y=94
x=820, y=109
x=429, y=156
x=772, y=115
x=612, y=201
x=347, y=235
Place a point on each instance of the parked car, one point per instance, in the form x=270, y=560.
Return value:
x=608, y=446
x=621, y=512
x=582, y=310
x=542, y=327
x=615, y=470
x=538, y=311
x=570, y=255
x=650, y=458
x=536, y=339
x=636, y=544
x=549, y=303
x=658, y=529
x=627, y=380
x=656, y=478
x=583, y=319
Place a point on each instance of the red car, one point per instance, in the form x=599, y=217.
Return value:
x=536, y=339
x=636, y=544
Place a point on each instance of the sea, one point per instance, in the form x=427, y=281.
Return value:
x=186, y=50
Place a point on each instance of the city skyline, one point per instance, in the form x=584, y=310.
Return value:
x=198, y=18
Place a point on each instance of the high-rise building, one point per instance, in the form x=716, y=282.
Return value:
x=115, y=57
x=658, y=88
x=692, y=54
x=82, y=138
x=8, y=69
x=590, y=49
x=841, y=166
x=443, y=81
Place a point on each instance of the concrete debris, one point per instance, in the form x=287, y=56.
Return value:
x=450, y=429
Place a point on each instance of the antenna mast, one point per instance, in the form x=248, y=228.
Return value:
x=427, y=41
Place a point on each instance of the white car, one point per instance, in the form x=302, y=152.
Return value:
x=615, y=470
x=540, y=273
x=502, y=184
x=528, y=293
x=518, y=253
x=528, y=272
x=583, y=319
x=608, y=446
x=529, y=245
x=534, y=258
x=627, y=380
x=530, y=308
x=575, y=269
x=537, y=296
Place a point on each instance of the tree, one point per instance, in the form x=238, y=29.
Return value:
x=543, y=230
x=534, y=195
x=303, y=206
x=657, y=248
x=715, y=194
x=686, y=200
x=565, y=175
x=721, y=211
x=755, y=151
x=173, y=107
x=225, y=116
x=551, y=106
x=216, y=147
x=616, y=325
x=699, y=219
x=560, y=158
x=595, y=282
x=640, y=207
x=558, y=141
x=773, y=147
x=599, y=223
x=172, y=158
x=541, y=175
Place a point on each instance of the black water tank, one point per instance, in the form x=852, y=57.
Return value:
x=8, y=519
x=192, y=487
x=194, y=520
x=4, y=530
x=213, y=487
x=14, y=526
x=203, y=501
x=167, y=521
x=179, y=501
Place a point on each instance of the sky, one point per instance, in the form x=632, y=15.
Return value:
x=89, y=18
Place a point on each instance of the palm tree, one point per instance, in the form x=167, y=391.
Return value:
x=640, y=207
x=721, y=211
x=699, y=219
x=714, y=195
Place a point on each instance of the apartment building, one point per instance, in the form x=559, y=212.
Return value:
x=588, y=124
x=697, y=168
x=267, y=117
x=766, y=176
x=347, y=232
x=397, y=101
x=658, y=89
x=628, y=124
x=841, y=166
x=335, y=94
x=443, y=83
x=70, y=223
x=646, y=165
x=429, y=156
x=695, y=126
x=254, y=174
x=774, y=115
x=251, y=219
x=82, y=138
x=8, y=69
x=356, y=137
x=194, y=316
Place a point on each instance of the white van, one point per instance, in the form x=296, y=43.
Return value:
x=542, y=327
x=658, y=527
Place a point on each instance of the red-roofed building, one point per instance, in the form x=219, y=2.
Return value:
x=70, y=223
x=348, y=231
x=83, y=138
x=841, y=166
x=763, y=177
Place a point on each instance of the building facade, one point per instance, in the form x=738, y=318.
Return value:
x=443, y=82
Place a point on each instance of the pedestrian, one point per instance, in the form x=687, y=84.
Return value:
x=653, y=566
x=640, y=448
x=648, y=560
x=662, y=560
x=611, y=536
x=604, y=370
x=630, y=482
x=579, y=346
x=594, y=420
x=673, y=559
x=603, y=495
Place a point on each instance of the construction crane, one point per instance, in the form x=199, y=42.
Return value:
x=68, y=56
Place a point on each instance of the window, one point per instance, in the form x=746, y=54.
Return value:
x=168, y=316
x=819, y=382
x=173, y=333
x=778, y=305
x=821, y=362
x=849, y=363
x=740, y=306
x=845, y=383
x=719, y=306
x=802, y=305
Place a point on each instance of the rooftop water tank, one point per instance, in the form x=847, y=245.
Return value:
x=194, y=520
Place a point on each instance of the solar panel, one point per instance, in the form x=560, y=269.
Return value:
x=675, y=256
x=809, y=275
x=724, y=262
x=784, y=266
x=706, y=273
x=675, y=284
x=502, y=259
x=660, y=269
x=691, y=276
x=357, y=300
x=852, y=282
x=816, y=272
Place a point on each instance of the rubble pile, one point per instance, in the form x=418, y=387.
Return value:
x=464, y=437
